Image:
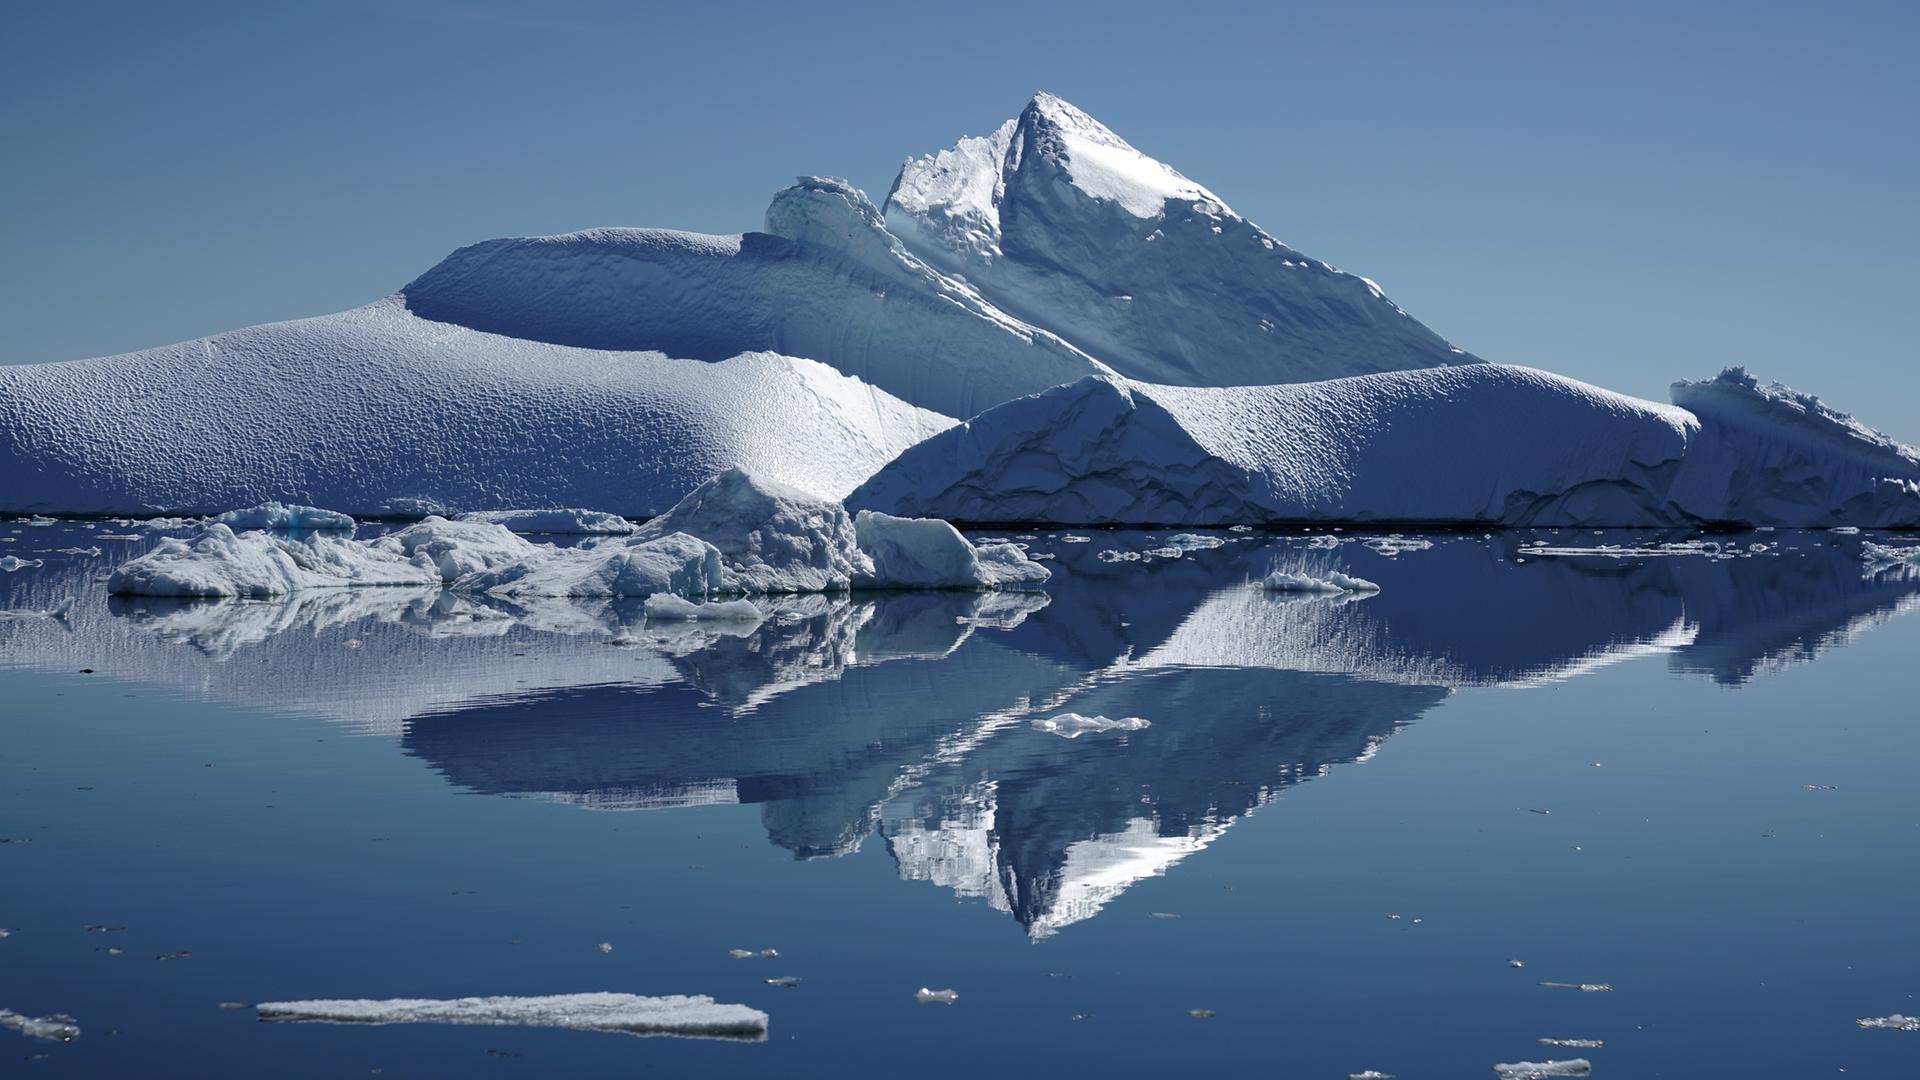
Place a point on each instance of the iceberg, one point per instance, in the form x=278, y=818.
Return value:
x=1471, y=444
x=1331, y=582
x=566, y=521
x=275, y=515
x=675, y=563
x=222, y=563
x=696, y=1016
x=1060, y=222
x=928, y=553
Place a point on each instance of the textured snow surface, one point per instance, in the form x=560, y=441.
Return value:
x=688, y=1015
x=826, y=280
x=1057, y=220
x=377, y=411
x=570, y=521
x=1477, y=443
x=731, y=535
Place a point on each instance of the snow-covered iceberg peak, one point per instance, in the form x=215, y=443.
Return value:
x=1063, y=224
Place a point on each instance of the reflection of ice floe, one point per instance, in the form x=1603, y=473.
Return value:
x=683, y=1015
x=1073, y=725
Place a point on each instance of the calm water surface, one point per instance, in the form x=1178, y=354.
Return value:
x=1687, y=777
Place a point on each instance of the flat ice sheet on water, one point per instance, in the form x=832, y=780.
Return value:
x=1896, y=1022
x=695, y=1016
x=59, y=1028
x=1542, y=1070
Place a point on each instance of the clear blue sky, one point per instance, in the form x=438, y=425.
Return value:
x=1626, y=193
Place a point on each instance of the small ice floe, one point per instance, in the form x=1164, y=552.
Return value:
x=1163, y=915
x=1395, y=544
x=690, y=1016
x=1817, y=787
x=1516, y=963
x=1202, y=1014
x=1370, y=1074
x=1845, y=530
x=555, y=522
x=1326, y=541
x=1542, y=1070
x=936, y=997
x=181, y=955
x=741, y=954
x=1896, y=1022
x=90, y=552
x=1574, y=1044
x=666, y=607
x=1194, y=542
x=1332, y=582
x=58, y=1027
x=1073, y=725
x=6, y=931
x=234, y=1005
x=10, y=563
x=1072, y=539
x=787, y=981
x=605, y=947
x=58, y=614
x=1585, y=988
x=121, y=536
x=769, y=954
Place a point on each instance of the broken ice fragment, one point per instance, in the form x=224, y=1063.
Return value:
x=1202, y=1014
x=788, y=981
x=694, y=1016
x=1516, y=963
x=936, y=997
x=1370, y=1074
x=740, y=954
x=1896, y=1022
x=1332, y=582
x=1541, y=1070
x=769, y=954
x=58, y=1027
x=1585, y=988
x=1073, y=725
x=605, y=946
x=1574, y=1044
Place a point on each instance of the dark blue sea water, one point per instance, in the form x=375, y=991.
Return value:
x=1686, y=776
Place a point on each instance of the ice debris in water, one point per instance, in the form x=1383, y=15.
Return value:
x=696, y=1016
x=1202, y=1014
x=740, y=954
x=58, y=1027
x=1395, y=544
x=569, y=521
x=1073, y=725
x=1585, y=988
x=788, y=981
x=287, y=517
x=1574, y=1044
x=1541, y=1070
x=11, y=563
x=605, y=947
x=666, y=607
x=1333, y=582
x=936, y=997
x=1370, y=1074
x=1887, y=553
x=1896, y=1022
x=1516, y=963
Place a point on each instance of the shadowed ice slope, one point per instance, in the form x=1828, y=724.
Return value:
x=1478, y=443
x=1058, y=220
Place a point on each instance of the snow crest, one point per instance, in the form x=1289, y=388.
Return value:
x=1062, y=223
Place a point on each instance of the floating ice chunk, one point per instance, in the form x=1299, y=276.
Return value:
x=928, y=553
x=605, y=947
x=1333, y=582
x=1370, y=1074
x=1542, y=1070
x=1516, y=963
x=668, y=608
x=675, y=563
x=59, y=1027
x=769, y=954
x=740, y=954
x=695, y=1016
x=1202, y=1014
x=458, y=548
x=57, y=614
x=785, y=981
x=1073, y=725
x=1194, y=542
x=936, y=997
x=285, y=516
x=220, y=562
x=772, y=538
x=1574, y=1044
x=11, y=563
x=1585, y=988
x=555, y=522
x=1395, y=544
x=1888, y=553
x=1896, y=1022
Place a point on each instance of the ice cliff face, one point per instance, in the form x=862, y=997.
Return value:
x=1058, y=221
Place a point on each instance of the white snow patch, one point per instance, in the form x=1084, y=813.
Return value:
x=684, y=1015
